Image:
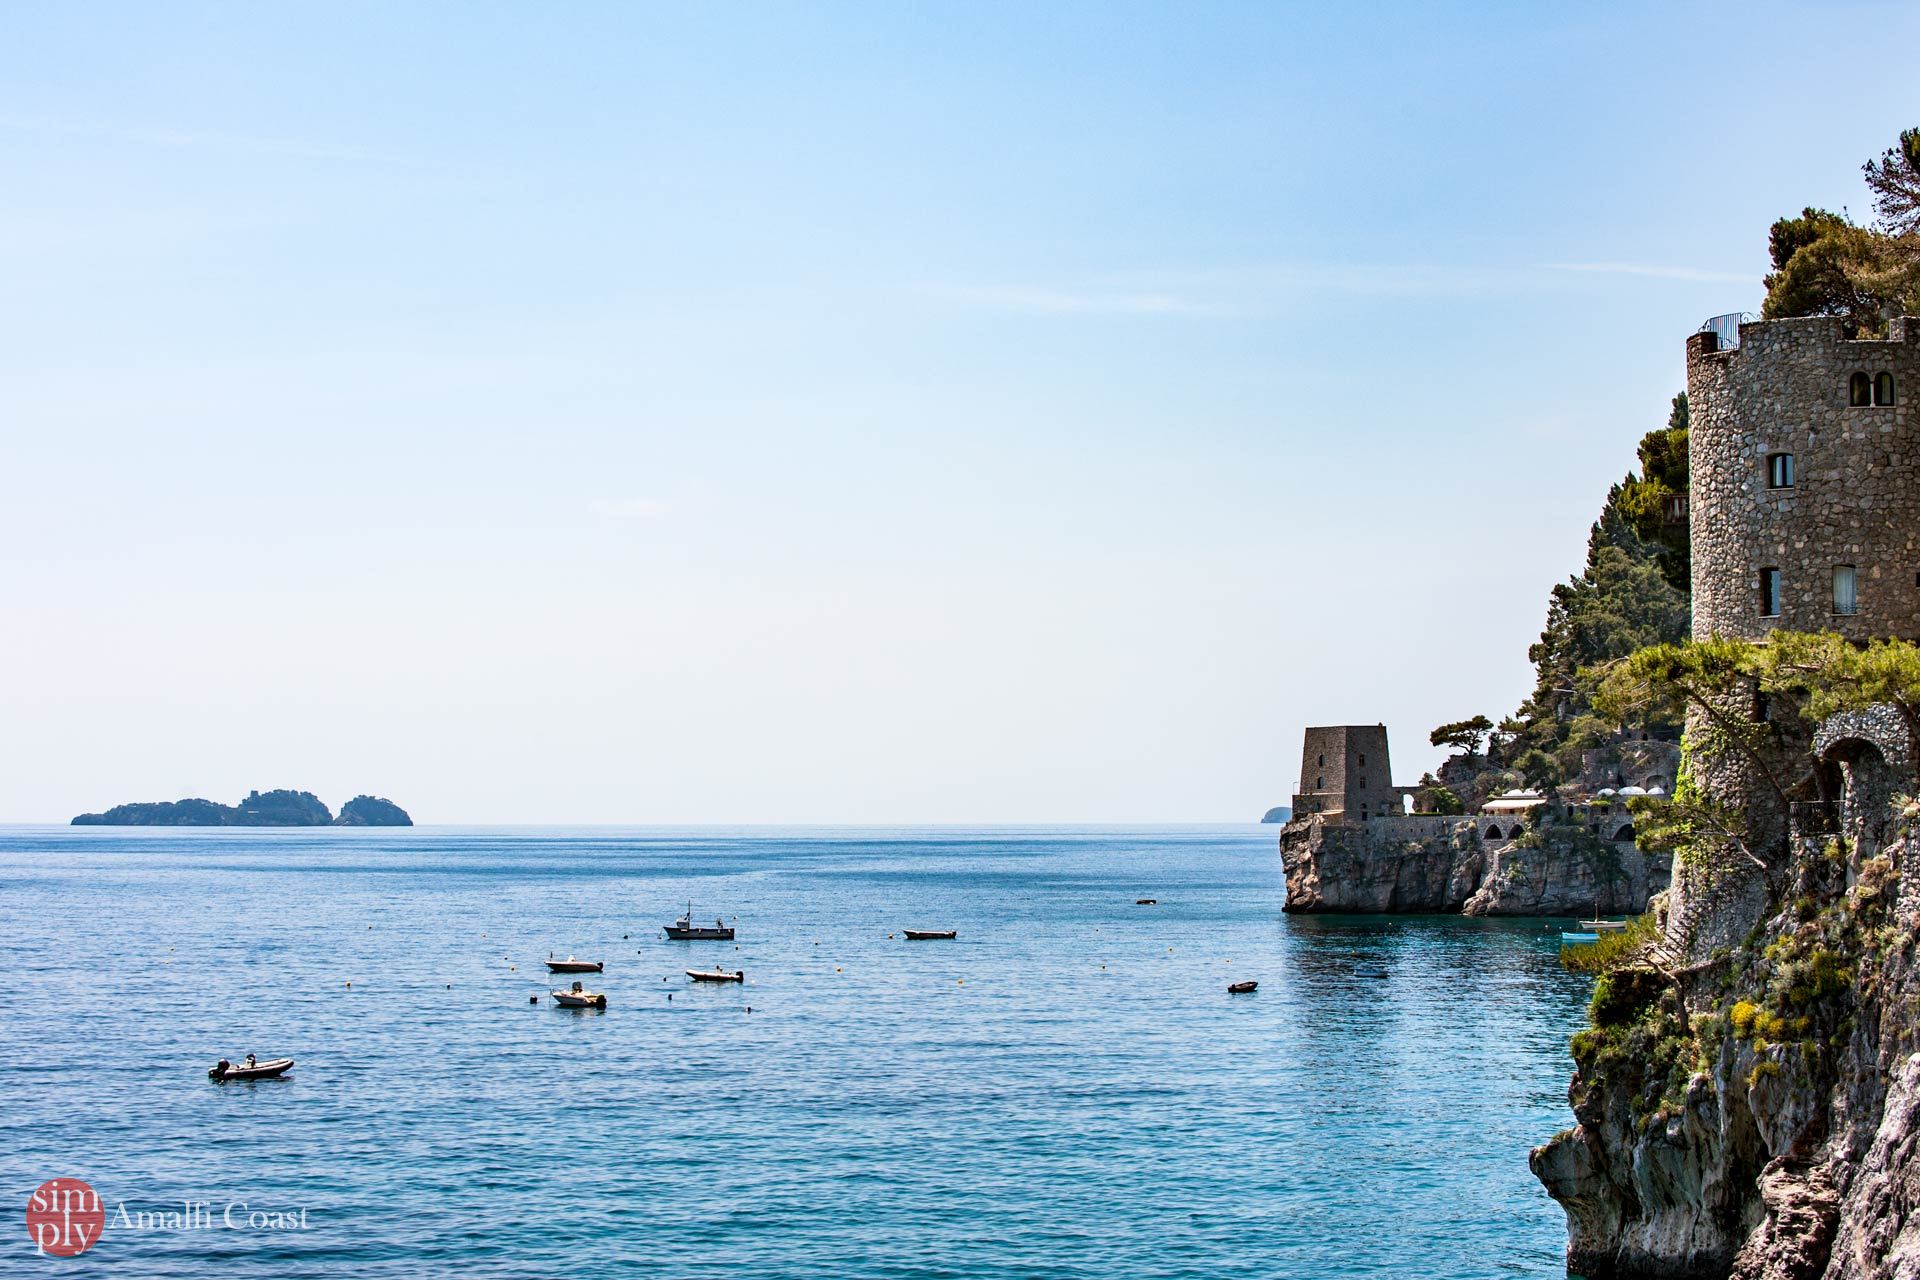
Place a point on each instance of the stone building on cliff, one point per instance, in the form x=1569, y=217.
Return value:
x=1805, y=516
x=1351, y=845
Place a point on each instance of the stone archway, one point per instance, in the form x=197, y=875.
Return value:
x=1491, y=833
x=1624, y=833
x=1865, y=757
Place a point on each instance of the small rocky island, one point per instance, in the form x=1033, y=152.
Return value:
x=259, y=809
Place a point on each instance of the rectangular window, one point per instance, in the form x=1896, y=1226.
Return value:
x=1779, y=471
x=1769, y=593
x=1846, y=598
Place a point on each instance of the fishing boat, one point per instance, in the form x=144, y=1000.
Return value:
x=930, y=935
x=249, y=1070
x=717, y=975
x=570, y=965
x=685, y=930
x=1603, y=926
x=579, y=997
x=1241, y=988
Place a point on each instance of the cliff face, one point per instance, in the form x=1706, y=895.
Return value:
x=1441, y=865
x=1756, y=1113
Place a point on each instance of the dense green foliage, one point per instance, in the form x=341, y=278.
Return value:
x=1825, y=264
x=1632, y=593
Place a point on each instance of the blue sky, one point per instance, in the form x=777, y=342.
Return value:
x=614, y=413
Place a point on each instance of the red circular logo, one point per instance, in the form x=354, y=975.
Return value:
x=65, y=1217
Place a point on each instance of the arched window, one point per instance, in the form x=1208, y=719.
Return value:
x=1859, y=389
x=1493, y=833
x=1883, y=389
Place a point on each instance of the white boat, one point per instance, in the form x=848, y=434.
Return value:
x=570, y=965
x=249, y=1070
x=579, y=998
x=717, y=975
x=1603, y=926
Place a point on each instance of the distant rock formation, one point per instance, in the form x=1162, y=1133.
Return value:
x=259, y=809
x=1279, y=813
x=372, y=811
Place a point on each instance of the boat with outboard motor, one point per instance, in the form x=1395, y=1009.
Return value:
x=717, y=975
x=251, y=1069
x=578, y=997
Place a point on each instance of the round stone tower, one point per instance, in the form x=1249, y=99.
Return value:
x=1805, y=480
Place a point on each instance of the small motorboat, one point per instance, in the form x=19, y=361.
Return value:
x=578, y=997
x=251, y=1069
x=1568, y=935
x=1603, y=926
x=570, y=965
x=685, y=930
x=931, y=935
x=1241, y=988
x=717, y=975
x=1146, y=902
x=1370, y=971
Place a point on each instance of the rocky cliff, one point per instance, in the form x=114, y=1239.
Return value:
x=1755, y=1113
x=1441, y=864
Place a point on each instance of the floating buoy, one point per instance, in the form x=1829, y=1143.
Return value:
x=889, y=935
x=960, y=982
x=513, y=968
x=749, y=1008
x=669, y=994
x=349, y=982
x=836, y=968
x=533, y=999
x=625, y=936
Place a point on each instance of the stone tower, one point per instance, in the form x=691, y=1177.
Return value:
x=1345, y=774
x=1805, y=485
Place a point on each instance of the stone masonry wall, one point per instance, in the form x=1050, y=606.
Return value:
x=1346, y=769
x=1855, y=499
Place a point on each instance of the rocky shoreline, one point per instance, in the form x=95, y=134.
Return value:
x=1444, y=865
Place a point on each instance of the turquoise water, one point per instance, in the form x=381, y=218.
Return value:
x=1065, y=1091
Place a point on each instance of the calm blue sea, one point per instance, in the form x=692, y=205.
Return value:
x=1067, y=1090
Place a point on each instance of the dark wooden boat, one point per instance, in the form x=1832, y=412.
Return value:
x=685, y=930
x=717, y=975
x=224, y=1070
x=930, y=935
x=579, y=998
x=1240, y=988
x=1146, y=902
x=570, y=965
